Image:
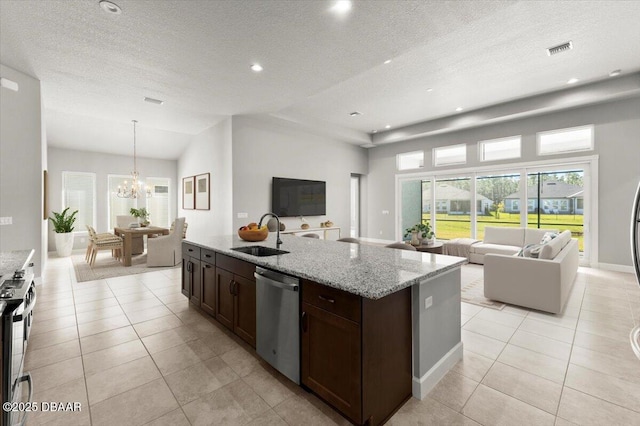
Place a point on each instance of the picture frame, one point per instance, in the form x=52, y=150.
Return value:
x=45, y=195
x=202, y=191
x=188, y=193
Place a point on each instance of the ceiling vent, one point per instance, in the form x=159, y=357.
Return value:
x=153, y=101
x=355, y=113
x=559, y=48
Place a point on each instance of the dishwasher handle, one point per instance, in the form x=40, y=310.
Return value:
x=275, y=283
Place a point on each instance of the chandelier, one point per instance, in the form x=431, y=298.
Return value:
x=136, y=190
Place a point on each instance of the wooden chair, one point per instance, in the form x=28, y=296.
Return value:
x=349, y=240
x=401, y=246
x=94, y=235
x=104, y=241
x=311, y=236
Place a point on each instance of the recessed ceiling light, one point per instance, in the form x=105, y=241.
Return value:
x=355, y=113
x=459, y=109
x=615, y=73
x=572, y=80
x=256, y=67
x=341, y=6
x=388, y=126
x=429, y=89
x=388, y=61
x=110, y=7
x=374, y=131
x=153, y=101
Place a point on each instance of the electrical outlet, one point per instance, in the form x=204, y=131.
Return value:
x=243, y=215
x=428, y=302
x=8, y=220
x=385, y=212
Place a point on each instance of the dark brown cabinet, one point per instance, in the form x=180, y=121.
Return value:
x=208, y=300
x=191, y=274
x=236, y=297
x=356, y=352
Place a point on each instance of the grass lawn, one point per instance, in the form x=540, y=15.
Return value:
x=459, y=226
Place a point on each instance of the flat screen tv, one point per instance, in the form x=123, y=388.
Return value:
x=296, y=197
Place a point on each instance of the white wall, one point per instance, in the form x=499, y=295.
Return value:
x=264, y=149
x=617, y=126
x=209, y=152
x=21, y=166
x=102, y=165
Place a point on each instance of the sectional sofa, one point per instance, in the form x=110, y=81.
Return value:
x=541, y=283
x=508, y=241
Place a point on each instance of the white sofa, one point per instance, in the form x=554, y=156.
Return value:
x=543, y=283
x=507, y=241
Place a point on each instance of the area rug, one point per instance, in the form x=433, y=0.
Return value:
x=106, y=266
x=474, y=293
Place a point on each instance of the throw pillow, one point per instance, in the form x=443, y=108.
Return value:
x=548, y=236
x=530, y=250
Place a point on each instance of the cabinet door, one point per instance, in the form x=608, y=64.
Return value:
x=331, y=359
x=224, y=298
x=208, y=303
x=196, y=282
x=244, y=319
x=186, y=276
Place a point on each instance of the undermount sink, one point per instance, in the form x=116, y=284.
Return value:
x=259, y=251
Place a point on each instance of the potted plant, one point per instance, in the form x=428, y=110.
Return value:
x=142, y=215
x=63, y=227
x=420, y=231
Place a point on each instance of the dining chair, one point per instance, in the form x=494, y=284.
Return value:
x=311, y=236
x=349, y=240
x=103, y=241
x=401, y=246
x=166, y=250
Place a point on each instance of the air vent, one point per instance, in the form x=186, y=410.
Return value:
x=559, y=48
x=153, y=101
x=355, y=113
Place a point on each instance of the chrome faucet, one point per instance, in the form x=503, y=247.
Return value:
x=278, y=240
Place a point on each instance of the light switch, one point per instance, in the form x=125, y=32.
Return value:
x=7, y=220
x=428, y=302
x=243, y=215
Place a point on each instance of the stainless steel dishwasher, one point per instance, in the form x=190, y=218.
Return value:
x=278, y=322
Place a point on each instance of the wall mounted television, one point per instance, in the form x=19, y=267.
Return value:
x=296, y=197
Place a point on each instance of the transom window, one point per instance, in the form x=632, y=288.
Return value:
x=410, y=160
x=448, y=155
x=565, y=140
x=500, y=149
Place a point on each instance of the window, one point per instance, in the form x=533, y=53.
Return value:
x=499, y=149
x=565, y=140
x=79, y=193
x=410, y=160
x=447, y=155
x=118, y=206
x=158, y=204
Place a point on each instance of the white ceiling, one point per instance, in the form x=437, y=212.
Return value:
x=96, y=68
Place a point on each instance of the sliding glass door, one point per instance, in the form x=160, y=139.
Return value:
x=498, y=202
x=453, y=203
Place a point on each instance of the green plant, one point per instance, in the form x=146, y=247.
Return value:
x=140, y=213
x=63, y=223
x=423, y=229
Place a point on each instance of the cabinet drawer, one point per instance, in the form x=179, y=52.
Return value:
x=237, y=266
x=191, y=250
x=208, y=256
x=330, y=299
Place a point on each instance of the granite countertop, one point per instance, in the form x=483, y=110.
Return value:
x=13, y=260
x=369, y=271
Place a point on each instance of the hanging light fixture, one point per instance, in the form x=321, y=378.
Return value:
x=136, y=190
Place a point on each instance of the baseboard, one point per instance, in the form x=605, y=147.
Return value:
x=615, y=267
x=423, y=385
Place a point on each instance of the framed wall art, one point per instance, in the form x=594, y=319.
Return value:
x=202, y=188
x=188, y=193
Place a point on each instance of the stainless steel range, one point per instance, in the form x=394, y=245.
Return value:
x=17, y=299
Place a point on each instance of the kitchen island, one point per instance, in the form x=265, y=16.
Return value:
x=377, y=325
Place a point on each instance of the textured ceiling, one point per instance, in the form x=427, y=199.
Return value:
x=96, y=68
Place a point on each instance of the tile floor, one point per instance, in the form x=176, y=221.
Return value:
x=133, y=352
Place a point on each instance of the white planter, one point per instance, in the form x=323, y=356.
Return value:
x=64, y=244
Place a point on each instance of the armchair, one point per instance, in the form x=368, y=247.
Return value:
x=166, y=250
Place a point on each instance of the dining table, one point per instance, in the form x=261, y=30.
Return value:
x=128, y=235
